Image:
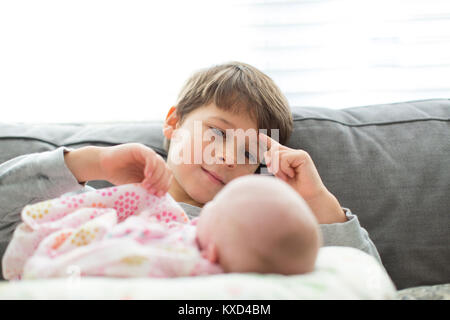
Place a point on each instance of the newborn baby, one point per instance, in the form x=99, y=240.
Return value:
x=255, y=224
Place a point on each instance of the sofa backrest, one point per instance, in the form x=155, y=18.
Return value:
x=389, y=164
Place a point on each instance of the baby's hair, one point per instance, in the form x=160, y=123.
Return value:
x=241, y=89
x=265, y=226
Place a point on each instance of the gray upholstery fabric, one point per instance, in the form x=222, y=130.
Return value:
x=390, y=164
x=19, y=139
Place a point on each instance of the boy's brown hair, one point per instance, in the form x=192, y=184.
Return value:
x=239, y=88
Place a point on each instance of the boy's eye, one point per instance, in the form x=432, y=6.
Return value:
x=249, y=156
x=218, y=132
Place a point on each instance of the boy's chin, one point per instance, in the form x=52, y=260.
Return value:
x=200, y=195
x=201, y=192
x=198, y=186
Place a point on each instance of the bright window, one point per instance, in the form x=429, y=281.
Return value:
x=98, y=60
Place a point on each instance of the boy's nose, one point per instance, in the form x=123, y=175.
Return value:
x=231, y=163
x=228, y=156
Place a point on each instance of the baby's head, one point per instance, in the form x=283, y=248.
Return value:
x=259, y=224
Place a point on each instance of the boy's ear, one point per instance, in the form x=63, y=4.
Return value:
x=170, y=122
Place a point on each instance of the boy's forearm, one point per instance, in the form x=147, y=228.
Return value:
x=84, y=163
x=327, y=209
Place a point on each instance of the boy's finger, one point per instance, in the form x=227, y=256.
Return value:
x=155, y=177
x=149, y=165
x=274, y=160
x=159, y=173
x=163, y=186
x=268, y=141
x=271, y=144
x=286, y=167
x=162, y=178
x=145, y=182
x=267, y=158
x=265, y=140
x=166, y=187
x=295, y=159
x=278, y=173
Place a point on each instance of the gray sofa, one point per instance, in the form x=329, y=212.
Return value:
x=390, y=164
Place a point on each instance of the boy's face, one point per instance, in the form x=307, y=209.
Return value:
x=203, y=158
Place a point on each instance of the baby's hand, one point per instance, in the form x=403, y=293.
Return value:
x=297, y=168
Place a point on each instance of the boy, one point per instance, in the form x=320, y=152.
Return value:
x=228, y=96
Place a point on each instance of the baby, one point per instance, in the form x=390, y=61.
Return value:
x=254, y=224
x=259, y=224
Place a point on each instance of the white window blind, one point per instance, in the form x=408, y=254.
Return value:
x=340, y=53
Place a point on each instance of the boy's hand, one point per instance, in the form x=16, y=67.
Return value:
x=296, y=168
x=121, y=164
x=133, y=163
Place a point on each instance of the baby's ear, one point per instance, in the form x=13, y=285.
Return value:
x=211, y=253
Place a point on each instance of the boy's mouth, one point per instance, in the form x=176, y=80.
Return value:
x=213, y=176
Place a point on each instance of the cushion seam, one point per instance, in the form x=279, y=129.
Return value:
x=371, y=123
x=157, y=149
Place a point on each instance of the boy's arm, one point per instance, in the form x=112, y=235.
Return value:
x=326, y=208
x=35, y=177
x=339, y=226
x=349, y=234
x=41, y=176
x=121, y=164
x=295, y=167
x=29, y=179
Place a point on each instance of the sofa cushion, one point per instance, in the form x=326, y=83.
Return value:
x=388, y=163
